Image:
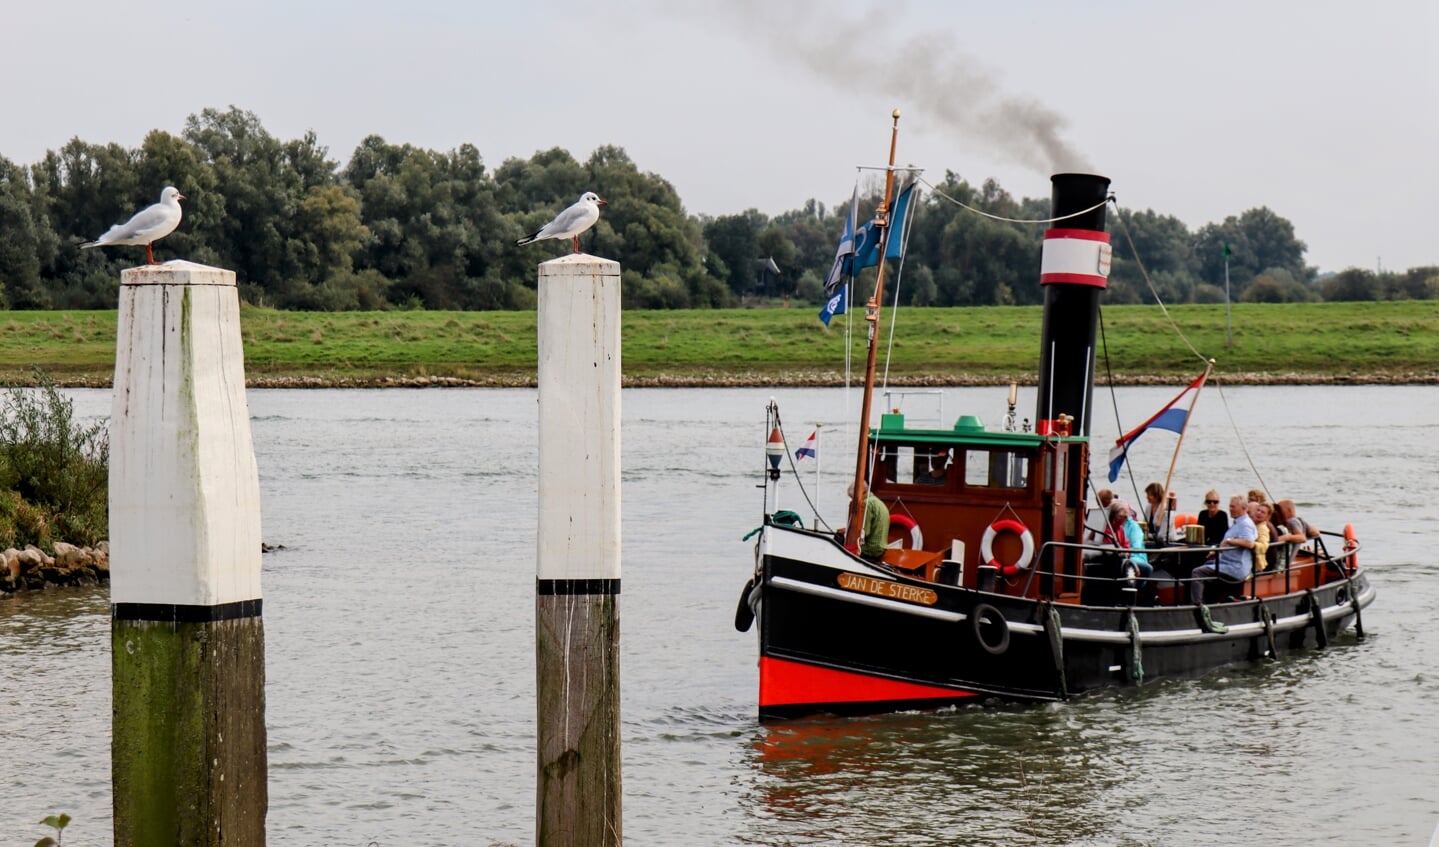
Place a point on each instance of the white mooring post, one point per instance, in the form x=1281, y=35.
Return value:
x=578, y=554
x=188, y=644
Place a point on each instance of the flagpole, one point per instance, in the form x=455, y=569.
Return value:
x=1209, y=366
x=872, y=310
x=818, y=428
x=1228, y=327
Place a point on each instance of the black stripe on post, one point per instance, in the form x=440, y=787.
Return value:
x=548, y=587
x=174, y=613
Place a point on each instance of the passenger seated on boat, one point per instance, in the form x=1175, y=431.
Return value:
x=1263, y=532
x=1097, y=533
x=1128, y=536
x=1214, y=519
x=930, y=466
x=1157, y=513
x=1235, y=560
x=1296, y=525
x=1292, y=532
x=874, y=531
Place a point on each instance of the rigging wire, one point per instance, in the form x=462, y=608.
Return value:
x=1121, y=216
x=905, y=230
x=984, y=214
x=793, y=469
x=1144, y=273
x=1114, y=399
x=1218, y=383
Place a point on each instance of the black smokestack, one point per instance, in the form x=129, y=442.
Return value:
x=1074, y=271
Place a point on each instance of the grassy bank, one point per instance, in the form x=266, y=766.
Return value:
x=1297, y=343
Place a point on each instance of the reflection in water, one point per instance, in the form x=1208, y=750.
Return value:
x=1011, y=774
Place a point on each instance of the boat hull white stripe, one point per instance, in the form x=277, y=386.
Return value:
x=1254, y=629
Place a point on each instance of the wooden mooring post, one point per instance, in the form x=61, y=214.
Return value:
x=188, y=736
x=577, y=582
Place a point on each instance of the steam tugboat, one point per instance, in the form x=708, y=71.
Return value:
x=989, y=588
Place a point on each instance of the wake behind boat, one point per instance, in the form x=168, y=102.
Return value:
x=991, y=584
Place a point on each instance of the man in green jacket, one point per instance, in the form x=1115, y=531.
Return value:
x=874, y=532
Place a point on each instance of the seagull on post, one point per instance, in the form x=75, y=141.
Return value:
x=571, y=222
x=148, y=226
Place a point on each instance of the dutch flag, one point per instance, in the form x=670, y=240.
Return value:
x=1169, y=418
x=810, y=448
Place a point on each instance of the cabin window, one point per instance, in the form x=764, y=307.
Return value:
x=903, y=465
x=996, y=469
x=908, y=464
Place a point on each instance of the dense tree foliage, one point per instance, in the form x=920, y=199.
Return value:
x=403, y=227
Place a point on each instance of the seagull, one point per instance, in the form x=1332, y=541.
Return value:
x=571, y=222
x=148, y=225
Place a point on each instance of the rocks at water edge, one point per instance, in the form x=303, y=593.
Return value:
x=32, y=569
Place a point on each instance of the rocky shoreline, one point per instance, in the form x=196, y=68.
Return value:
x=32, y=569
x=791, y=379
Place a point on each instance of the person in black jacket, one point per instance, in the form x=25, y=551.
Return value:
x=1214, y=519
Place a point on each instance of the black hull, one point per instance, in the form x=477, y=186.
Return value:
x=860, y=652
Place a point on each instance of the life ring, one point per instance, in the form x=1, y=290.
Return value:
x=986, y=619
x=910, y=538
x=1351, y=543
x=986, y=545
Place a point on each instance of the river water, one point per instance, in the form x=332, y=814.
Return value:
x=400, y=641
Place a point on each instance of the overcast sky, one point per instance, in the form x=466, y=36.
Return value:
x=1326, y=112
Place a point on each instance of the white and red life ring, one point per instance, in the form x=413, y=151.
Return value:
x=986, y=545
x=910, y=538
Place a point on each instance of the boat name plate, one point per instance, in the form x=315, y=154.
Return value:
x=886, y=588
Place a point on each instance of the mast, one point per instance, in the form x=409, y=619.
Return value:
x=871, y=316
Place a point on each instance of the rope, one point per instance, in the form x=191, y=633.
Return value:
x=906, y=229
x=1214, y=377
x=1239, y=435
x=984, y=214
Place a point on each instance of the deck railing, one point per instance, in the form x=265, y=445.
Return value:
x=1128, y=583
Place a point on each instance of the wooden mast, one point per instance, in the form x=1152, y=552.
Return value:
x=871, y=315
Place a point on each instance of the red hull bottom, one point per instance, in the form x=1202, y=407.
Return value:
x=786, y=686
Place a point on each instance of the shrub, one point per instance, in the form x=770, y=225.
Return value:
x=53, y=470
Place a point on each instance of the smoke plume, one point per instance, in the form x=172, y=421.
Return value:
x=927, y=73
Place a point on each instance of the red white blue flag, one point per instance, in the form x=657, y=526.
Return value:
x=1169, y=417
x=810, y=448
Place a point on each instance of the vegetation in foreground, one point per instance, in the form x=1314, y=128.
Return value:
x=54, y=471
x=1289, y=342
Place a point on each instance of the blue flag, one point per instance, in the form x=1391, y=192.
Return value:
x=898, y=217
x=866, y=247
x=836, y=305
x=845, y=251
x=866, y=241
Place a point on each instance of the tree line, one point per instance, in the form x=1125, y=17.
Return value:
x=399, y=226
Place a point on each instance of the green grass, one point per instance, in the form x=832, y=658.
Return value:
x=1309, y=342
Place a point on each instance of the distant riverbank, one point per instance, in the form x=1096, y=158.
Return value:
x=1290, y=343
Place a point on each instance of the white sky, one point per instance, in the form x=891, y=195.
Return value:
x=1324, y=111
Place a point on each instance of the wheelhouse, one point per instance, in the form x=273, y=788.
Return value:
x=955, y=486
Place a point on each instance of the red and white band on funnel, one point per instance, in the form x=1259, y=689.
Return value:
x=1075, y=256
